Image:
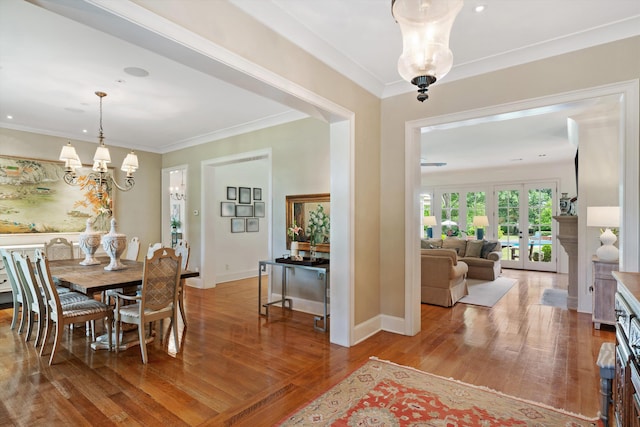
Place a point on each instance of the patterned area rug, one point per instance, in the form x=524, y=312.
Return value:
x=385, y=394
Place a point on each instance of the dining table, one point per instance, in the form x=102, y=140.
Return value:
x=93, y=279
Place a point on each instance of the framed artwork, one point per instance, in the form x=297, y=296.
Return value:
x=245, y=195
x=244, y=210
x=257, y=194
x=237, y=225
x=258, y=209
x=227, y=209
x=253, y=225
x=36, y=199
x=298, y=211
x=231, y=193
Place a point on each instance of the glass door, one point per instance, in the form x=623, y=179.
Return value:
x=508, y=212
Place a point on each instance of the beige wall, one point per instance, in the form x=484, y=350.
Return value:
x=597, y=66
x=230, y=28
x=142, y=221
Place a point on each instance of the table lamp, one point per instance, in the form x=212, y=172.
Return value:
x=429, y=221
x=480, y=222
x=605, y=216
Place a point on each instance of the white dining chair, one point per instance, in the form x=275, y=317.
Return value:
x=183, y=249
x=133, y=249
x=18, y=295
x=152, y=248
x=58, y=248
x=35, y=306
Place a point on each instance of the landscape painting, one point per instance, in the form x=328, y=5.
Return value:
x=34, y=198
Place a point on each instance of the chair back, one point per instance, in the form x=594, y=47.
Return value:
x=183, y=249
x=51, y=292
x=58, y=248
x=26, y=276
x=133, y=248
x=160, y=279
x=16, y=286
x=152, y=248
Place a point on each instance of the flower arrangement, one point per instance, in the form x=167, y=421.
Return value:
x=318, y=226
x=294, y=231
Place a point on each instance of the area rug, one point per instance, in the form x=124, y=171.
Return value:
x=554, y=298
x=382, y=393
x=487, y=293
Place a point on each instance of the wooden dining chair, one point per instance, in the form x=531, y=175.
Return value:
x=34, y=297
x=133, y=249
x=58, y=248
x=183, y=249
x=18, y=296
x=157, y=299
x=67, y=312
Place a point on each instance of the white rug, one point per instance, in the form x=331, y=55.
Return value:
x=487, y=293
x=554, y=298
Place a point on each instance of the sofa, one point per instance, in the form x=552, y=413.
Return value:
x=481, y=256
x=443, y=277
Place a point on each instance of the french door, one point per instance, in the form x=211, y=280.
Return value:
x=525, y=225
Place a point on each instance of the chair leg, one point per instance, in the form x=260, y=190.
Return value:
x=23, y=319
x=30, y=321
x=110, y=337
x=143, y=342
x=47, y=332
x=175, y=331
x=56, y=342
x=181, y=305
x=117, y=322
x=16, y=310
x=39, y=331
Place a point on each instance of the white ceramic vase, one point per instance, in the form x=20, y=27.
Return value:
x=294, y=249
x=89, y=241
x=114, y=245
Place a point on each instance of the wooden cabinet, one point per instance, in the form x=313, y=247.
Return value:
x=603, y=292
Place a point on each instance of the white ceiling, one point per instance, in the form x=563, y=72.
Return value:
x=51, y=65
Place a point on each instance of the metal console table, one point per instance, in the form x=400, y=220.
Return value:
x=321, y=270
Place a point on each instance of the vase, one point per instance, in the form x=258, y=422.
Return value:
x=313, y=251
x=89, y=241
x=114, y=245
x=564, y=204
x=294, y=249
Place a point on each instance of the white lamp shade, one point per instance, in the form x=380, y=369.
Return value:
x=102, y=154
x=603, y=216
x=425, y=26
x=130, y=163
x=68, y=152
x=429, y=221
x=480, y=221
x=75, y=162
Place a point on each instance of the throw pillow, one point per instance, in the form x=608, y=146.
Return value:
x=474, y=248
x=430, y=243
x=458, y=245
x=487, y=248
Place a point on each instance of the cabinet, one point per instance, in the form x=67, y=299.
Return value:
x=603, y=292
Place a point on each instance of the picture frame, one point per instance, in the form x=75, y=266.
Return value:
x=258, y=209
x=297, y=209
x=253, y=225
x=237, y=225
x=227, y=209
x=244, y=196
x=232, y=193
x=244, y=211
x=257, y=194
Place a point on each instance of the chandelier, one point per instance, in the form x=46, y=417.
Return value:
x=177, y=193
x=99, y=179
x=425, y=27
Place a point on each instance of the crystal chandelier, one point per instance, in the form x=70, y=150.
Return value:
x=178, y=193
x=100, y=179
x=425, y=26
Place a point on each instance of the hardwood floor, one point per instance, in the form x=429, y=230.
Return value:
x=235, y=368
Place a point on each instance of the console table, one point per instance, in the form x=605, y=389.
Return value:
x=322, y=271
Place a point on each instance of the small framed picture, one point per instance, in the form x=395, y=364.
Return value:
x=253, y=225
x=257, y=194
x=244, y=210
x=258, y=209
x=231, y=193
x=245, y=195
x=227, y=209
x=237, y=225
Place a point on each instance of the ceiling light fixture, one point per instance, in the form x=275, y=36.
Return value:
x=425, y=26
x=100, y=179
x=178, y=193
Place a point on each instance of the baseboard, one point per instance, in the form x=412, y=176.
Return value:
x=376, y=324
x=238, y=275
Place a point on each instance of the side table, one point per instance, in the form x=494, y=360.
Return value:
x=603, y=291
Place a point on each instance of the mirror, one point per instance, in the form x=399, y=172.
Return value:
x=298, y=211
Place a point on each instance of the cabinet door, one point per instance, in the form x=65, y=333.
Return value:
x=621, y=390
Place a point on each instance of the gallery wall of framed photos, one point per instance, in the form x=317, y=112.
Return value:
x=244, y=207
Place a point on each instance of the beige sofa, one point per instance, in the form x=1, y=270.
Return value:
x=481, y=256
x=443, y=277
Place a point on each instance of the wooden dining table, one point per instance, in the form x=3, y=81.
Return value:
x=92, y=279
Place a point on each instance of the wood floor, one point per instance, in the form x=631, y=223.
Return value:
x=235, y=368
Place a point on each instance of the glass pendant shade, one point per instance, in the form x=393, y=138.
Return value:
x=426, y=26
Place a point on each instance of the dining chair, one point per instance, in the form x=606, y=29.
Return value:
x=16, y=290
x=34, y=297
x=133, y=249
x=183, y=249
x=58, y=248
x=157, y=299
x=67, y=313
x=152, y=248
